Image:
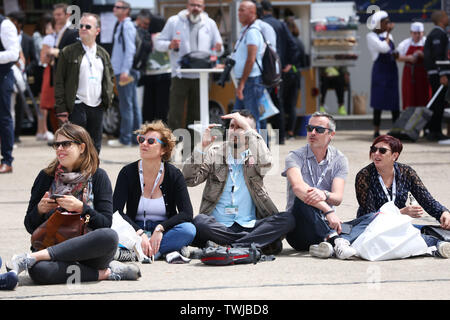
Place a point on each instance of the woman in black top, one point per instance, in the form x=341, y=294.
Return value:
x=387, y=180
x=82, y=188
x=155, y=194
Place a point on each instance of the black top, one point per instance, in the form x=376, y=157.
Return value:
x=286, y=46
x=173, y=187
x=371, y=196
x=435, y=49
x=100, y=215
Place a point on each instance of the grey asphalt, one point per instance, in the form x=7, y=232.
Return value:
x=293, y=275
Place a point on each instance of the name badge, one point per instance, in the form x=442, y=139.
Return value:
x=231, y=210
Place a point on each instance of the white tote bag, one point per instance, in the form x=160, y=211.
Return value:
x=390, y=235
x=127, y=236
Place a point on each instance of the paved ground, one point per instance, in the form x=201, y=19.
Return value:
x=293, y=275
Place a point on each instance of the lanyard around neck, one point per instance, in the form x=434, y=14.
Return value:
x=158, y=177
x=316, y=185
x=394, y=188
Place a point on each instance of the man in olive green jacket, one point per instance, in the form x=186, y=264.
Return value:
x=236, y=208
x=84, y=81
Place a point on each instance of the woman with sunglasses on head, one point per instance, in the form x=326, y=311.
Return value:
x=155, y=195
x=74, y=183
x=387, y=180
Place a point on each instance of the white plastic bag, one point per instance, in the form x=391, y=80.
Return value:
x=127, y=236
x=390, y=235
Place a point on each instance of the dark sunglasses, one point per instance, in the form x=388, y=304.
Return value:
x=120, y=7
x=381, y=150
x=319, y=129
x=65, y=144
x=141, y=140
x=87, y=26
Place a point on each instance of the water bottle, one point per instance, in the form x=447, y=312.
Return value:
x=412, y=200
x=177, y=37
x=213, y=58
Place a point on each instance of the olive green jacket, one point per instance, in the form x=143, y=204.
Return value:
x=212, y=167
x=67, y=75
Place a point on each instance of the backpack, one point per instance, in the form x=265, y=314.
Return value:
x=271, y=66
x=225, y=256
x=144, y=46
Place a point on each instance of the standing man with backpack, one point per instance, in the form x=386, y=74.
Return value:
x=9, y=54
x=122, y=58
x=248, y=53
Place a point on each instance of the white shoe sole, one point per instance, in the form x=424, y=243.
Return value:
x=444, y=250
x=323, y=250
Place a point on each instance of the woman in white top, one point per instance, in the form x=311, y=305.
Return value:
x=384, y=91
x=155, y=194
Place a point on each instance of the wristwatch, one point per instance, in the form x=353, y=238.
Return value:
x=159, y=228
x=327, y=195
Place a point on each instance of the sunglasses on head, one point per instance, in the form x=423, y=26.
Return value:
x=318, y=129
x=382, y=150
x=87, y=26
x=141, y=139
x=65, y=144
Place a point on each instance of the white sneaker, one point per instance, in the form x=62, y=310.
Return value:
x=322, y=250
x=444, y=249
x=117, y=144
x=445, y=142
x=342, y=249
x=48, y=136
x=40, y=136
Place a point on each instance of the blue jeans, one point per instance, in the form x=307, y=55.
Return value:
x=174, y=239
x=311, y=226
x=6, y=121
x=130, y=113
x=253, y=91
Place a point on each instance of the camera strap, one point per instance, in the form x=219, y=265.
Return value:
x=242, y=37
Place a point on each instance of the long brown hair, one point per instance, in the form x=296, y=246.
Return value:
x=88, y=161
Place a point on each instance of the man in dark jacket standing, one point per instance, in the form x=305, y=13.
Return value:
x=287, y=51
x=435, y=49
x=84, y=81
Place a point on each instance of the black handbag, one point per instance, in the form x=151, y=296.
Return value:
x=196, y=60
x=437, y=232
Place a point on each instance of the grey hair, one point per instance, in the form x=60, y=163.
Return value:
x=331, y=121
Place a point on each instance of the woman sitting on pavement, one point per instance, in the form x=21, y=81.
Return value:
x=155, y=194
x=387, y=180
x=86, y=190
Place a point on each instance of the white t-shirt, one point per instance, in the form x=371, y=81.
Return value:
x=376, y=46
x=405, y=44
x=90, y=79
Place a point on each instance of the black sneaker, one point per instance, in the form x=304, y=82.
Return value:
x=8, y=281
x=125, y=255
x=273, y=249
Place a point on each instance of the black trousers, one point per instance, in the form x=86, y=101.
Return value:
x=90, y=118
x=337, y=83
x=265, y=231
x=289, y=92
x=438, y=106
x=277, y=121
x=377, y=116
x=156, y=97
x=82, y=256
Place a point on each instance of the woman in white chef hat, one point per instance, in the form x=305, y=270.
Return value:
x=415, y=86
x=384, y=91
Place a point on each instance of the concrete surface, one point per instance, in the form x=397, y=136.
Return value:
x=293, y=275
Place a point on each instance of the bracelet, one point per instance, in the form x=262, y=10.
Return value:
x=141, y=233
x=328, y=212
